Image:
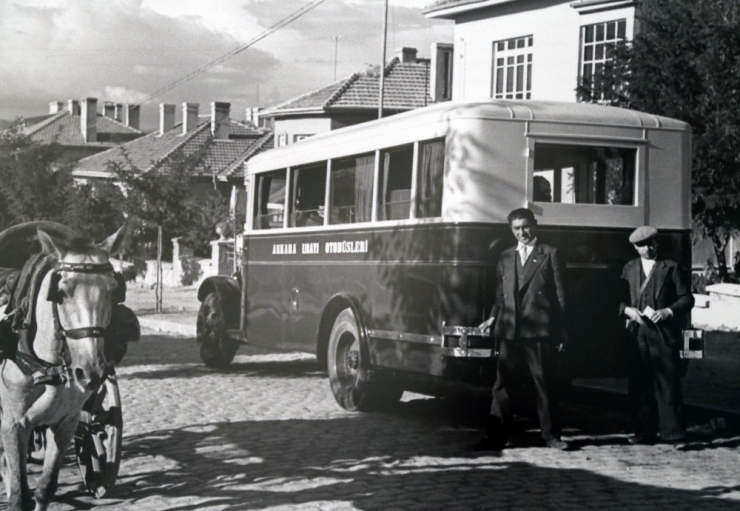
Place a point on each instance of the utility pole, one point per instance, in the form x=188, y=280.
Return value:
x=336, y=44
x=382, y=62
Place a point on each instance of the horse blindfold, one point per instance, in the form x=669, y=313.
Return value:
x=55, y=295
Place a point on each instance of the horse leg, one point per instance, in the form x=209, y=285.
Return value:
x=57, y=442
x=15, y=477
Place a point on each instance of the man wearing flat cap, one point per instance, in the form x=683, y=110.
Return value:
x=660, y=302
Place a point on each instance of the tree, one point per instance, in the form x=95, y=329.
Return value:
x=95, y=210
x=33, y=185
x=685, y=63
x=161, y=200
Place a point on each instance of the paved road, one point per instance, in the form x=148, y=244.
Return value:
x=267, y=434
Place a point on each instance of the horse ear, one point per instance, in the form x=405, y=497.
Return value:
x=112, y=244
x=50, y=244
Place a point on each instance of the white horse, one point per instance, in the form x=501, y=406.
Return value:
x=70, y=326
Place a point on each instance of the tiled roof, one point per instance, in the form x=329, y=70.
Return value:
x=64, y=128
x=146, y=151
x=406, y=87
x=236, y=169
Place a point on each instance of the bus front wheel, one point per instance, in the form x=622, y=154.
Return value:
x=355, y=386
x=217, y=349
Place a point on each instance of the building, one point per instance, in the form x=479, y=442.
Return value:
x=410, y=82
x=531, y=49
x=231, y=142
x=81, y=130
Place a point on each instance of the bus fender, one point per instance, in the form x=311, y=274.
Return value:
x=229, y=293
x=334, y=306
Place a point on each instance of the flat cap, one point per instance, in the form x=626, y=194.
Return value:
x=642, y=234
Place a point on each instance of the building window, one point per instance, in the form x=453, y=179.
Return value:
x=512, y=68
x=598, y=42
x=282, y=139
x=570, y=174
x=298, y=138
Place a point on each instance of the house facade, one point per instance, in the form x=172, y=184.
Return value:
x=531, y=49
x=410, y=82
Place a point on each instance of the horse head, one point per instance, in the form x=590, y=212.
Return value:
x=80, y=298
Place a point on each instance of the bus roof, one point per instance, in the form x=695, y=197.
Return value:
x=506, y=110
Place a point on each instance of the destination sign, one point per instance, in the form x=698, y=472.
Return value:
x=329, y=247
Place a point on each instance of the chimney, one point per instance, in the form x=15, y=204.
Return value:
x=440, y=86
x=220, y=119
x=109, y=109
x=89, y=120
x=252, y=115
x=73, y=106
x=166, y=117
x=118, y=114
x=189, y=116
x=56, y=106
x=131, y=116
x=406, y=54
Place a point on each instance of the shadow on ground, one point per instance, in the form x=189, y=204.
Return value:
x=259, y=464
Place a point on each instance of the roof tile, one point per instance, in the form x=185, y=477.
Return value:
x=64, y=128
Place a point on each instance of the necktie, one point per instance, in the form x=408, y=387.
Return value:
x=523, y=254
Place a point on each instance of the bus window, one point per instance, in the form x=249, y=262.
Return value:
x=352, y=189
x=394, y=197
x=308, y=192
x=431, y=173
x=571, y=174
x=270, y=200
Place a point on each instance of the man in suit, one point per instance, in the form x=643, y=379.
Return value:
x=660, y=302
x=529, y=327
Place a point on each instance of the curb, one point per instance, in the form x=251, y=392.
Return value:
x=174, y=324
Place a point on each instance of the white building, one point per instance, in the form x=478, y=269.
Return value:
x=531, y=49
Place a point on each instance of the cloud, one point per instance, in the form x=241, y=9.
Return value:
x=60, y=49
x=124, y=95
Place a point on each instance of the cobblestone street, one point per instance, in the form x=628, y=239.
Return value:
x=267, y=434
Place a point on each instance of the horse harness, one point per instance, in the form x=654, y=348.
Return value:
x=41, y=371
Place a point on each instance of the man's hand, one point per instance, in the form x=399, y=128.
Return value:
x=634, y=315
x=660, y=315
x=486, y=324
x=560, y=347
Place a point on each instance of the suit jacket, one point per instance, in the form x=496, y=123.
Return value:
x=669, y=288
x=535, y=308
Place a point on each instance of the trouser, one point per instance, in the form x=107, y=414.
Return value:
x=655, y=386
x=538, y=357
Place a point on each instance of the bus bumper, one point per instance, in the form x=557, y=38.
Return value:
x=466, y=342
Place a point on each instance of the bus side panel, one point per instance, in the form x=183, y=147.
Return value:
x=265, y=307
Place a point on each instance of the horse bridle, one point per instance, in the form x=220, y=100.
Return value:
x=56, y=298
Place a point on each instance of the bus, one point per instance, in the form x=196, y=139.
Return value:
x=375, y=246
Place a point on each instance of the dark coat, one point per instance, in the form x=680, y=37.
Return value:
x=669, y=288
x=537, y=308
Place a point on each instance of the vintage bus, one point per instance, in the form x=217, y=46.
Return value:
x=375, y=246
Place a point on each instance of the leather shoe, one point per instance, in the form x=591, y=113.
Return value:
x=488, y=444
x=642, y=439
x=556, y=443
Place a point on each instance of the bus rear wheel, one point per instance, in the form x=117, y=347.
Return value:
x=217, y=349
x=355, y=386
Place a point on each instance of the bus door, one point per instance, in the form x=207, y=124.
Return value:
x=303, y=272
x=264, y=305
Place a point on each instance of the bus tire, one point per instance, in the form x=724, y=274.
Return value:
x=217, y=349
x=355, y=386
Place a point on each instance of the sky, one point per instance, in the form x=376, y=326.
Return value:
x=124, y=50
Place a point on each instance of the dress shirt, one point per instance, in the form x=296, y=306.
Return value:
x=647, y=267
x=525, y=249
